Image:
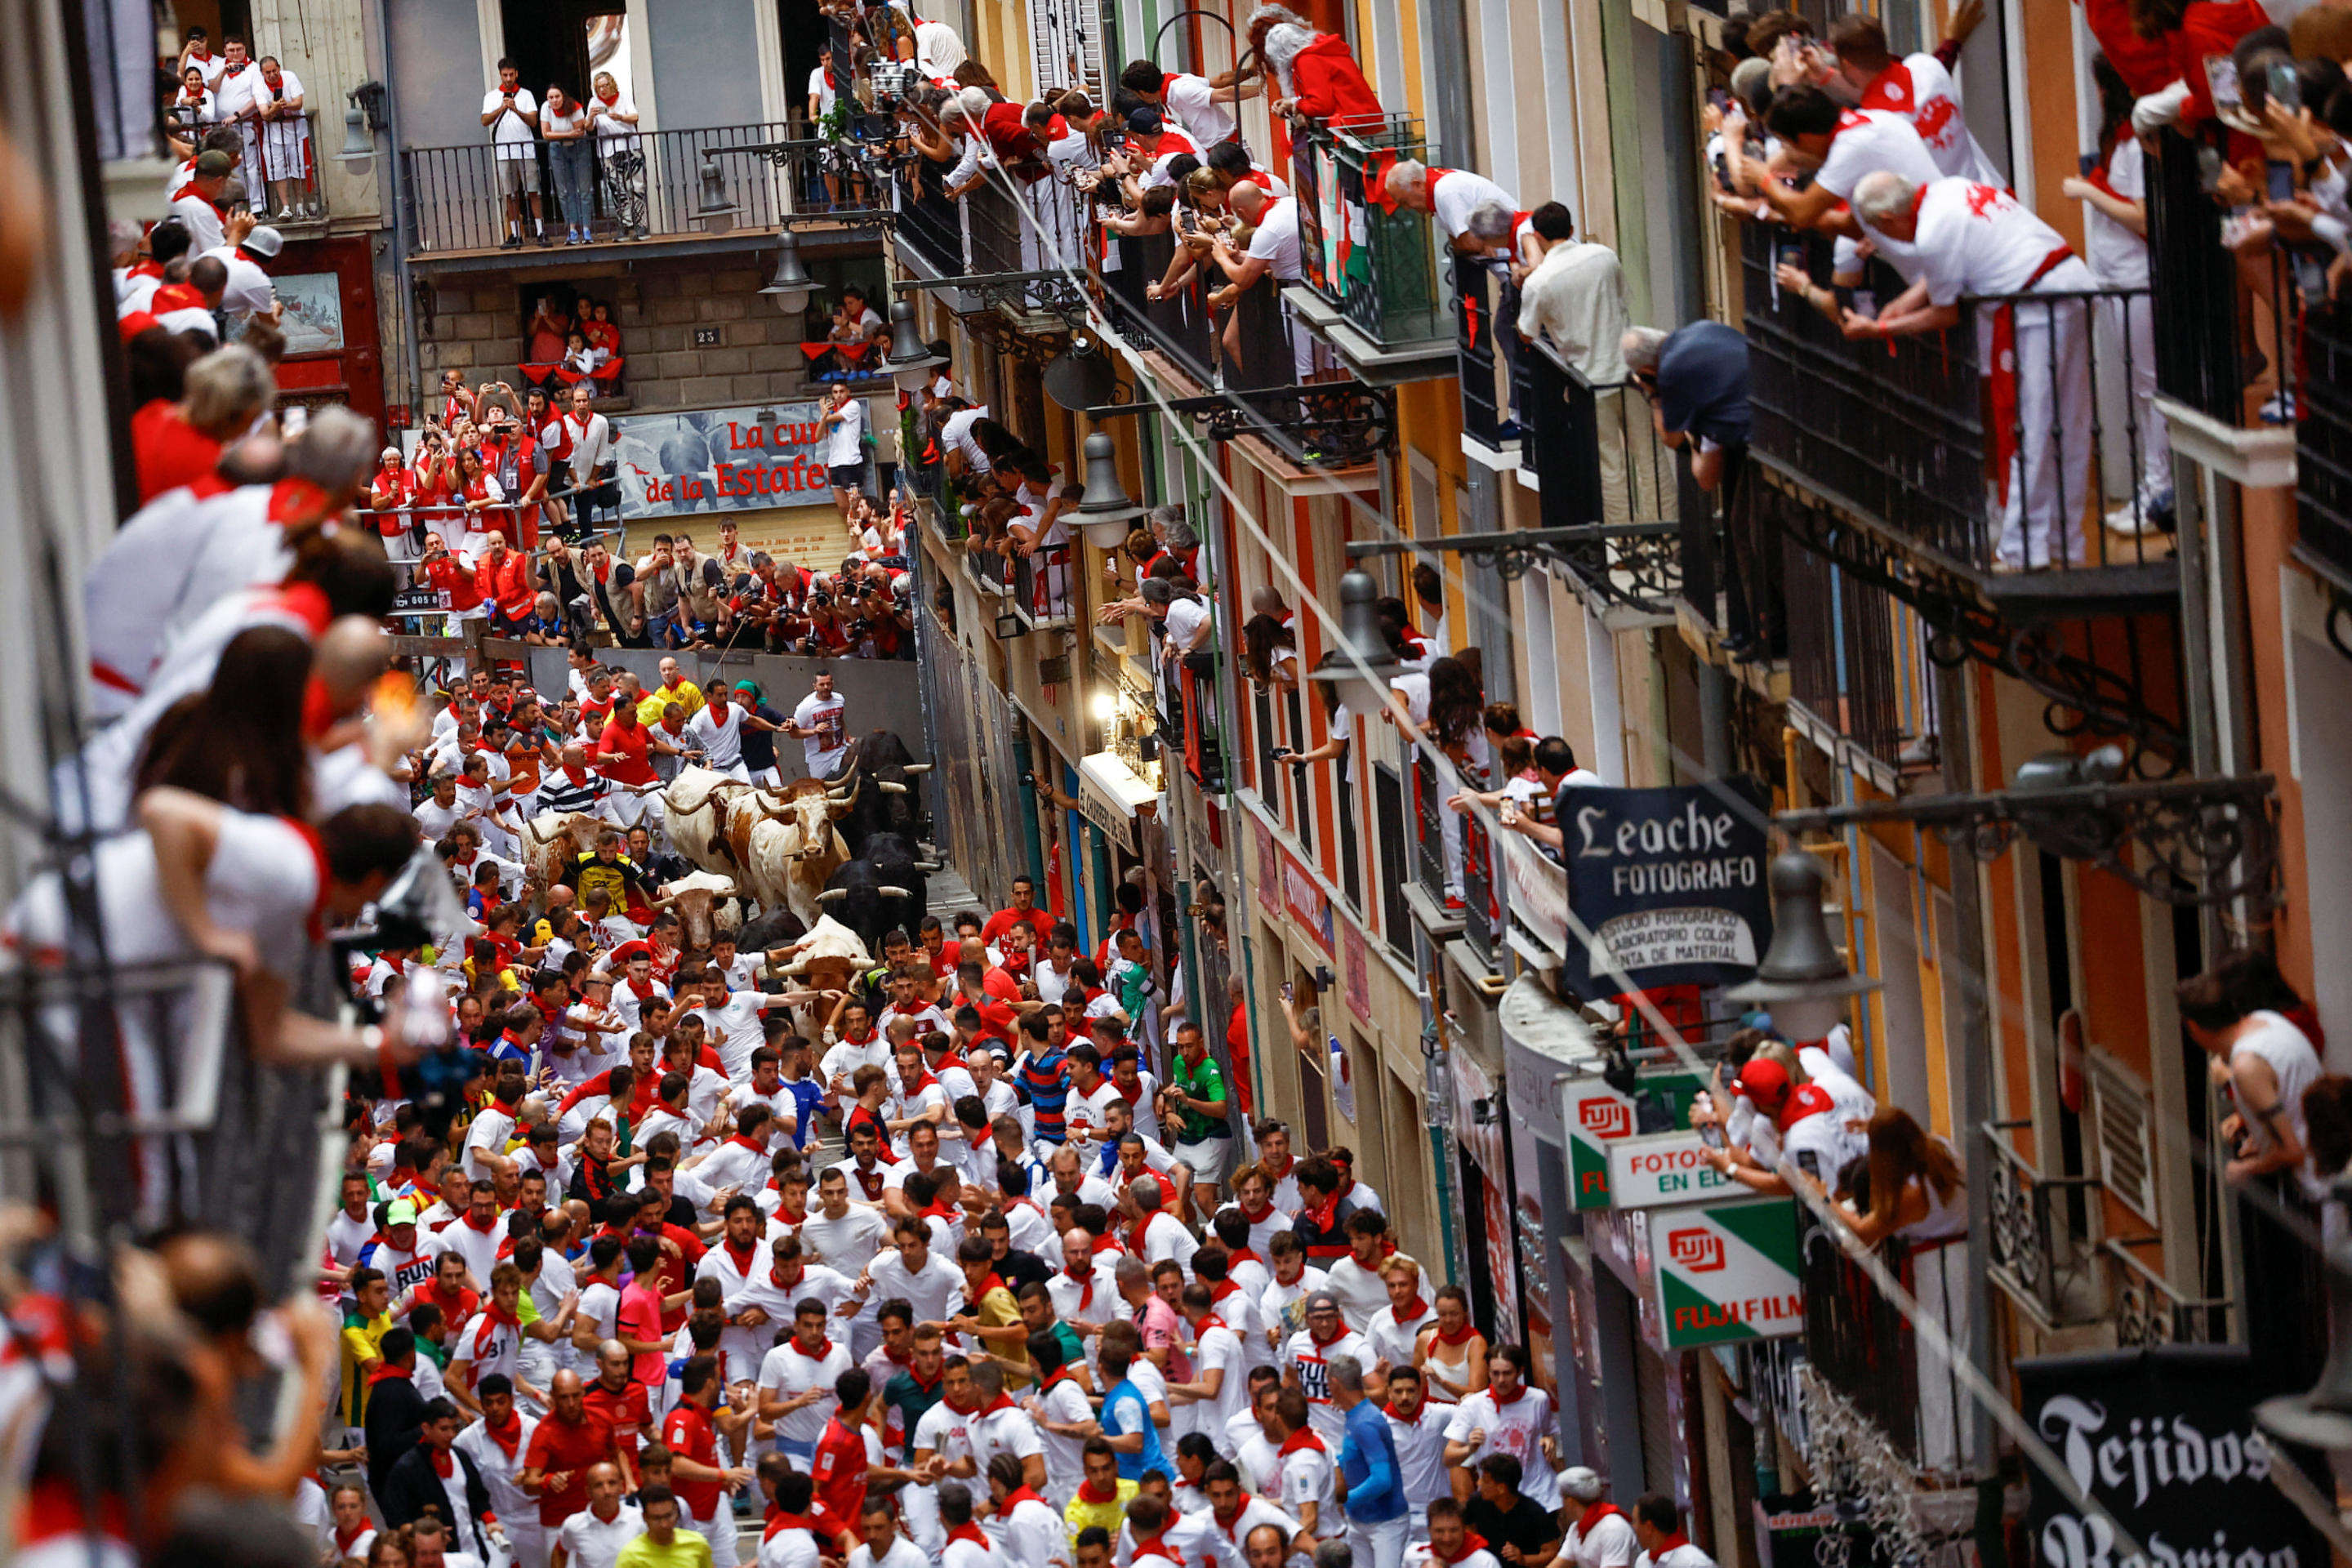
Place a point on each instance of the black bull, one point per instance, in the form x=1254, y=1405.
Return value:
x=881, y=891
x=889, y=794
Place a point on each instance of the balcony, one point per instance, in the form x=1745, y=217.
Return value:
x=1862, y=1345
x=1042, y=587
x=1370, y=295
x=991, y=252
x=1907, y=447
x=2323, y=441
x=1188, y=713
x=2147, y=1310
x=2039, y=1252
x=1597, y=463
x=1433, y=888
x=649, y=198
x=291, y=199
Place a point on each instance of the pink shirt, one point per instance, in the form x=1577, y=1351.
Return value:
x=641, y=1319
x=1161, y=1326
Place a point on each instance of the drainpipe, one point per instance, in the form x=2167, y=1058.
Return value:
x=397, y=197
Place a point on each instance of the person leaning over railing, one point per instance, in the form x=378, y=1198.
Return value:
x=1316, y=76
x=1973, y=239
x=1573, y=293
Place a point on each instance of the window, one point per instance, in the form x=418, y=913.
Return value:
x=567, y=42
x=1395, y=868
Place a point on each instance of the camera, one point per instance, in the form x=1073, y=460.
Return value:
x=894, y=82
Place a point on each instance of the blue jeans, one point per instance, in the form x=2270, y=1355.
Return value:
x=571, y=164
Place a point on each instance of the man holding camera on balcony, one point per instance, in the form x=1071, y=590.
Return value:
x=512, y=115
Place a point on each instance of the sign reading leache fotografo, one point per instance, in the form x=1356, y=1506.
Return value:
x=2164, y=1440
x=721, y=459
x=1670, y=883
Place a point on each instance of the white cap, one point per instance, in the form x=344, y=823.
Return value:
x=1581, y=1483
x=264, y=241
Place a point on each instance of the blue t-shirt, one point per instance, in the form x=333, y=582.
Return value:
x=1703, y=382
x=1125, y=1410
x=808, y=1099
x=1368, y=1467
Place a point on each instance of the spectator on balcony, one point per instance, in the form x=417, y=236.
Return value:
x=1316, y=76
x=234, y=92
x=1914, y=1185
x=282, y=177
x=2191, y=32
x=1841, y=146
x=180, y=443
x=196, y=55
x=514, y=457
x=1207, y=107
x=1918, y=88
x=996, y=135
x=1154, y=148
x=248, y=292
x=193, y=109
x=485, y=503
x=1081, y=141
x=1273, y=248
x=198, y=206
x=2115, y=229
x=1449, y=196
x=564, y=120
x=842, y=423
x=622, y=165
x=1535, y=815
x=1234, y=166
x=1573, y=296
x=1978, y=241
x=1798, y=1126
x=2238, y=1012
x=511, y=114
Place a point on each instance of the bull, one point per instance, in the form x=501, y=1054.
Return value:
x=831, y=955
x=551, y=841
x=786, y=844
x=886, y=790
x=696, y=805
x=701, y=902
x=881, y=891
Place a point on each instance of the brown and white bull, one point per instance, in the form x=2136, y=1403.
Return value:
x=704, y=904
x=829, y=956
x=786, y=843
x=695, y=806
x=551, y=841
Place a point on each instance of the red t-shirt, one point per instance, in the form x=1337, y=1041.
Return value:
x=677, y=1274
x=1005, y=919
x=448, y=575
x=688, y=1433
x=641, y=1319
x=631, y=767
x=626, y=1413
x=557, y=1446
x=839, y=1470
x=170, y=452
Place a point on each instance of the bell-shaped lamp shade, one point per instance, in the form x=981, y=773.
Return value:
x=910, y=361
x=716, y=211
x=1104, y=511
x=1359, y=664
x=358, y=148
x=792, y=287
x=1081, y=376
x=1802, y=981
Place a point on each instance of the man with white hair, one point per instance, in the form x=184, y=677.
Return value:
x=1450, y=195
x=996, y=135
x=1975, y=239
x=1600, y=1536
x=1315, y=75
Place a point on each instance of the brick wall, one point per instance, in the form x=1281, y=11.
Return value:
x=477, y=326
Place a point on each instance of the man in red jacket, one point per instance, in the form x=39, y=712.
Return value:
x=504, y=579
x=1317, y=76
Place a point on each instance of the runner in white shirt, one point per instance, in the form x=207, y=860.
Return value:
x=716, y=730
x=1307, y=1356
x=1599, y=1533
x=1508, y=1416
x=1306, y=1472
x=1419, y=1429
x=589, y=1538
x=1220, y=1382
x=1916, y=86
x=796, y=1382
x=1396, y=1328
x=822, y=723
x=1448, y=1544
x=731, y=1018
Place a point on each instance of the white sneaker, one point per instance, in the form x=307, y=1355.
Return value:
x=2131, y=522
x=2281, y=409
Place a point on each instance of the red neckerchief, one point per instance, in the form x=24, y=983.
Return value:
x=1087, y=1493
x=873, y=1183
x=990, y=1281
x=1222, y=1289
x=1210, y=1321
x=1304, y=1439
x=1132, y=1096
x=509, y=1437
x=1335, y=1339
x=1247, y=1254
x=970, y=1532
x=343, y=1542
x=1507, y=1404
x=478, y=1229
x=1279, y=1175
x=445, y=1463
x=753, y=1144
x=1257, y=1219
x=1087, y=1295
x=384, y=1370
x=1323, y=1217
x=1669, y=1543
x=1471, y=1541
x=1060, y=1374
x=499, y=1314
x=743, y=1256
x=824, y=1349
x=1411, y=1312
x=779, y=1519
x=865, y=1039
x=1157, y=1547
x=1016, y=1497
x=1594, y=1515
x=150, y=268
x=1469, y=1332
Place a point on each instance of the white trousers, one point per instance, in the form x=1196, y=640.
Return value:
x=2132, y=322
x=2049, y=473
x=1379, y=1545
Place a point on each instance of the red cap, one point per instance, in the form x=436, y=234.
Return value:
x=1763, y=1080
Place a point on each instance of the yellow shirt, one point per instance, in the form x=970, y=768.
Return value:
x=360, y=1341
x=996, y=1310
x=1082, y=1514
x=686, y=1549
x=686, y=694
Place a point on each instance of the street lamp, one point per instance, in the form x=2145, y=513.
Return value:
x=1359, y=665
x=1104, y=511
x=792, y=287
x=716, y=213
x=1802, y=981
x=910, y=360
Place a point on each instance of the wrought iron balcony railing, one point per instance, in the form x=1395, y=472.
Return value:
x=1042, y=587
x=654, y=185
x=2009, y=490
x=2040, y=1251
x=1599, y=464
x=1374, y=267
x=1429, y=839
x=2323, y=462
x=1862, y=1345
x=2147, y=1310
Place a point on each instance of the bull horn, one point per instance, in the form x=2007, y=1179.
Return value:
x=887, y=787
x=916, y=768
x=837, y=795
x=663, y=903
x=889, y=892
x=927, y=865
x=832, y=893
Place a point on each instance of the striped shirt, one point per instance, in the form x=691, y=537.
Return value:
x=557, y=793
x=1046, y=1080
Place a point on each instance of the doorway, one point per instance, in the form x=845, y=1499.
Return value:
x=567, y=43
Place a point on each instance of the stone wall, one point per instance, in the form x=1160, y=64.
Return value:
x=477, y=326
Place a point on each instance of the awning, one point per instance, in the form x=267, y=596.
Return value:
x=1110, y=792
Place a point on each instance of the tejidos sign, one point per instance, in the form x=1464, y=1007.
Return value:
x=1670, y=882
x=2165, y=1441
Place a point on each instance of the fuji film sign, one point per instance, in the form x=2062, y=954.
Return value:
x=1595, y=1117
x=1726, y=1271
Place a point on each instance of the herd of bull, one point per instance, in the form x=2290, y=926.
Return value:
x=770, y=862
